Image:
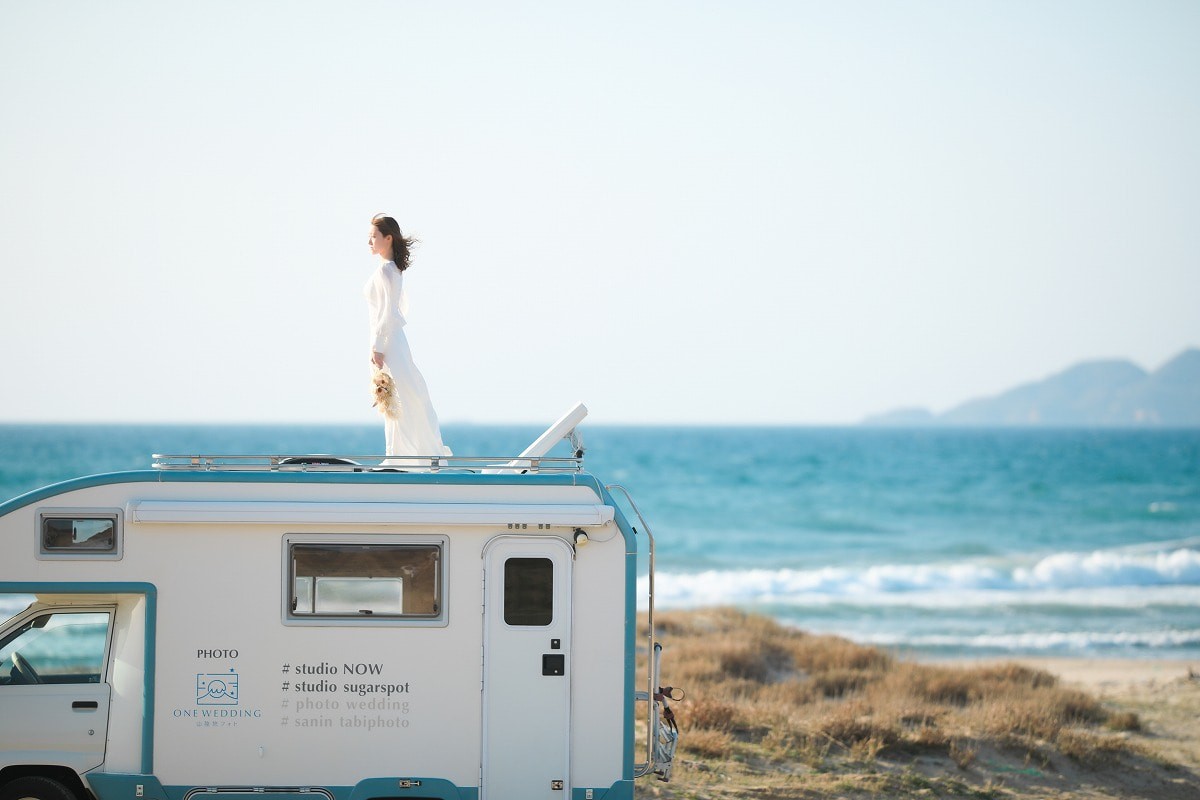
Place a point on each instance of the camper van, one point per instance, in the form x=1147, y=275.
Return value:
x=326, y=628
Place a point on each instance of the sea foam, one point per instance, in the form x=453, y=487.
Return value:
x=1121, y=577
x=1050, y=641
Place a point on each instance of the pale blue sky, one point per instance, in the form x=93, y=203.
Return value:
x=677, y=212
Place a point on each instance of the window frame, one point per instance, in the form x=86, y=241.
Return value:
x=439, y=620
x=79, y=554
x=32, y=613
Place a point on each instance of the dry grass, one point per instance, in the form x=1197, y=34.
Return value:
x=787, y=703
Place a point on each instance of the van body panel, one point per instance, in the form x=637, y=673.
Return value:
x=213, y=681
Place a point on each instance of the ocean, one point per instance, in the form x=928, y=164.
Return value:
x=934, y=542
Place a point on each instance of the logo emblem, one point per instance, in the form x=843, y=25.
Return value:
x=217, y=689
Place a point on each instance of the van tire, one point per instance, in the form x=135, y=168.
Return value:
x=35, y=787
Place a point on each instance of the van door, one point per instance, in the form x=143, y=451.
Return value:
x=526, y=668
x=54, y=693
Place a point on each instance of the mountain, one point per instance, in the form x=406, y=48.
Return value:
x=1109, y=393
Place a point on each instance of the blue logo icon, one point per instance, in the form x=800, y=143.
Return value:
x=217, y=689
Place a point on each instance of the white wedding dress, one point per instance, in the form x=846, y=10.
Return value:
x=415, y=432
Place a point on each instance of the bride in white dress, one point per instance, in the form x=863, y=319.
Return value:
x=415, y=432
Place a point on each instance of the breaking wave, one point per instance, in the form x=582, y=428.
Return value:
x=1053, y=641
x=1127, y=577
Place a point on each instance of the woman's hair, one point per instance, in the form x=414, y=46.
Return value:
x=401, y=247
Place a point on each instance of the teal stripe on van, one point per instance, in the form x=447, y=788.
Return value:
x=113, y=786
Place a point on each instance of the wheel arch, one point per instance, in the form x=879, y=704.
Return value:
x=56, y=772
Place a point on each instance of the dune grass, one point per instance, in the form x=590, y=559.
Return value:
x=824, y=714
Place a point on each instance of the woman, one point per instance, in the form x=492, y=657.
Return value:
x=415, y=431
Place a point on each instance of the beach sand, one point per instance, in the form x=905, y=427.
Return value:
x=1104, y=675
x=1165, y=694
x=778, y=714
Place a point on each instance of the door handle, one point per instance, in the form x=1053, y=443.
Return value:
x=84, y=704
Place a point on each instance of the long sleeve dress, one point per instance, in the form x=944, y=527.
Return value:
x=415, y=432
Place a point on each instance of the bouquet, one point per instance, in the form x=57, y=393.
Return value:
x=385, y=394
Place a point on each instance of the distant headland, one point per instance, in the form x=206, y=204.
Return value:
x=1108, y=393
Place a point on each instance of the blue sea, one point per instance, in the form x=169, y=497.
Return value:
x=938, y=542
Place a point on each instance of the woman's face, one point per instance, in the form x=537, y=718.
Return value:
x=380, y=245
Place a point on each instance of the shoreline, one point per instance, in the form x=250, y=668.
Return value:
x=1110, y=673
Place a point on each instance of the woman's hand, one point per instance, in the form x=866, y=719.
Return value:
x=377, y=359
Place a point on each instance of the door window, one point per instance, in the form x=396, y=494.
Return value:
x=59, y=647
x=529, y=591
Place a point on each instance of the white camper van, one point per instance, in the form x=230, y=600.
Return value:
x=316, y=628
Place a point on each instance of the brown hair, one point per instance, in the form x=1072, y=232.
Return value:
x=401, y=247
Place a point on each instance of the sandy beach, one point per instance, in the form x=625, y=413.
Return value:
x=1165, y=694
x=772, y=712
x=1115, y=675
x=1103, y=677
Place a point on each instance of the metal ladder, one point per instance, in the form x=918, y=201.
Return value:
x=653, y=658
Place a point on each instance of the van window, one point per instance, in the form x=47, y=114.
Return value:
x=61, y=647
x=528, y=591
x=83, y=534
x=385, y=580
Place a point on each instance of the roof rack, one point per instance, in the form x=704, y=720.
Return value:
x=507, y=465
x=533, y=459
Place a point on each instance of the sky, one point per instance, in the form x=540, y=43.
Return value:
x=677, y=212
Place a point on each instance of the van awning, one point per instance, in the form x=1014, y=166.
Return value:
x=301, y=513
